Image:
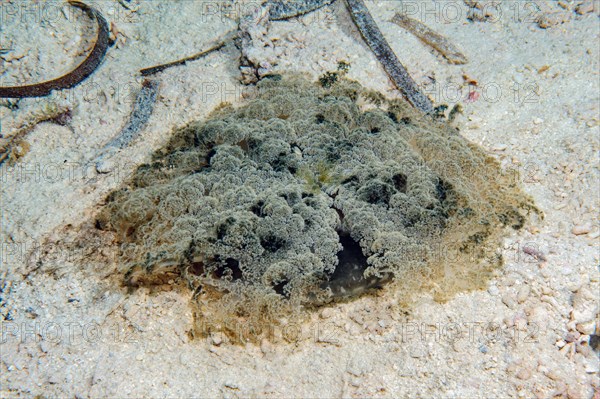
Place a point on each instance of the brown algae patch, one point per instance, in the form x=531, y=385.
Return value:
x=306, y=195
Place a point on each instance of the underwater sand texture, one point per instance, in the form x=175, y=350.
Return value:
x=528, y=333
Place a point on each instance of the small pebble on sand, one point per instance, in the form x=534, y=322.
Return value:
x=580, y=229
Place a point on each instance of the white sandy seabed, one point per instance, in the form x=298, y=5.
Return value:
x=71, y=331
